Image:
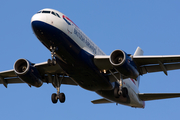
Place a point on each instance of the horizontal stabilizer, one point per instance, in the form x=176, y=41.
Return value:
x=101, y=101
x=157, y=96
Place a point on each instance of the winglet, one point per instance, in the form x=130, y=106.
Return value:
x=138, y=52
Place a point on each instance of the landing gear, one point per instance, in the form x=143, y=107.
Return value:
x=53, y=56
x=56, y=82
x=118, y=93
x=51, y=62
x=62, y=97
x=55, y=97
x=119, y=90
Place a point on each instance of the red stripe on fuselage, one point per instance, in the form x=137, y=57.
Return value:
x=133, y=81
x=69, y=20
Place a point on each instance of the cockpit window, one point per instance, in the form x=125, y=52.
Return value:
x=53, y=13
x=58, y=15
x=39, y=12
x=45, y=11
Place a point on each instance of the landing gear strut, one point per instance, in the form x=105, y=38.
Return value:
x=56, y=82
x=53, y=56
x=120, y=90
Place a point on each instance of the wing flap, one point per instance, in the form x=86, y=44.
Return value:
x=146, y=60
x=101, y=101
x=157, y=96
x=157, y=68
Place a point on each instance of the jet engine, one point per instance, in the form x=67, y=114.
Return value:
x=27, y=72
x=124, y=64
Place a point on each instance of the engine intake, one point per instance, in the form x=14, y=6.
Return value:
x=27, y=72
x=124, y=64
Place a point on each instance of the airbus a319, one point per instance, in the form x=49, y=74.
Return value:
x=76, y=60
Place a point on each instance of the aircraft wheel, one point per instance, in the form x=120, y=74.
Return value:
x=54, y=98
x=125, y=92
x=116, y=90
x=53, y=61
x=62, y=97
x=49, y=62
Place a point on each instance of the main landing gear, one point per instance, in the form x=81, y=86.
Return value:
x=119, y=90
x=53, y=56
x=56, y=82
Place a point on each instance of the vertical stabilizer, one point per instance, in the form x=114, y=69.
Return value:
x=138, y=52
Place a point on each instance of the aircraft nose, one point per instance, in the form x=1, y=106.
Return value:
x=37, y=22
x=38, y=17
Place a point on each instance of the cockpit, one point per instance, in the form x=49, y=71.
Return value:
x=49, y=12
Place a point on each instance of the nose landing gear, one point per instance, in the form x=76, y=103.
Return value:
x=53, y=56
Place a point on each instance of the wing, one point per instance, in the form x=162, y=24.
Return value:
x=145, y=64
x=148, y=64
x=157, y=96
x=9, y=77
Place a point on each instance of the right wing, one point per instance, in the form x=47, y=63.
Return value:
x=9, y=77
x=148, y=64
x=157, y=96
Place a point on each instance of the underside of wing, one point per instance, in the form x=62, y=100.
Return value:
x=102, y=62
x=157, y=96
x=46, y=72
x=144, y=64
x=148, y=64
x=101, y=101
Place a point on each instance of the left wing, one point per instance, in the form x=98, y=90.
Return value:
x=157, y=96
x=9, y=77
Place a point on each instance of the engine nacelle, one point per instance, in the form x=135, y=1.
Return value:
x=27, y=72
x=124, y=64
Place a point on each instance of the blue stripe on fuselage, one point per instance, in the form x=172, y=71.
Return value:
x=78, y=63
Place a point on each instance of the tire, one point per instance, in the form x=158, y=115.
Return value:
x=116, y=90
x=53, y=61
x=54, y=98
x=62, y=97
x=125, y=92
x=49, y=62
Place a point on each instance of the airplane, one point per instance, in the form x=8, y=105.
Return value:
x=76, y=60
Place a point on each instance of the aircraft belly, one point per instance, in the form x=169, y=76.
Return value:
x=109, y=94
x=76, y=62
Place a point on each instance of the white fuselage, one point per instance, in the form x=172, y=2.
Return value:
x=64, y=24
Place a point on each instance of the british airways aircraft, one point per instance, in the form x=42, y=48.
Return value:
x=76, y=60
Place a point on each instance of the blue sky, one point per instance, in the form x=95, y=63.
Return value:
x=117, y=24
